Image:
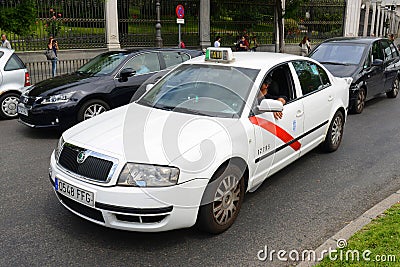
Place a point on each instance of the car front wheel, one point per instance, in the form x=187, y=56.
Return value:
x=225, y=194
x=335, y=132
x=92, y=108
x=359, y=103
x=8, y=105
x=395, y=89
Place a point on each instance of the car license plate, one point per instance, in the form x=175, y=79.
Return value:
x=75, y=193
x=22, y=110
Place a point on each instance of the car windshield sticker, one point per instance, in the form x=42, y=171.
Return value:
x=277, y=131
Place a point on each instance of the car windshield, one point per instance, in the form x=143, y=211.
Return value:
x=210, y=90
x=340, y=54
x=103, y=64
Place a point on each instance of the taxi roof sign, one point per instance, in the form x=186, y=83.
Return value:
x=219, y=54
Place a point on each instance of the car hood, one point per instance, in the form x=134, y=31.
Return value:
x=61, y=84
x=342, y=70
x=136, y=133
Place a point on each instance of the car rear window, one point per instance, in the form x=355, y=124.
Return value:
x=14, y=63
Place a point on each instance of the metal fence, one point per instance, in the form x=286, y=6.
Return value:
x=40, y=71
x=81, y=23
x=232, y=18
x=137, y=19
x=317, y=19
x=76, y=24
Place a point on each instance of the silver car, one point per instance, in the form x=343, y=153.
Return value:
x=14, y=79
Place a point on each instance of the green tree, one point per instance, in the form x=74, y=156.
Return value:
x=19, y=18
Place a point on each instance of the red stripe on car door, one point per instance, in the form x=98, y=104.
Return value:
x=276, y=130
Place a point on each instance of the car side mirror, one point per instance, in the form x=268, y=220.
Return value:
x=270, y=105
x=125, y=73
x=377, y=62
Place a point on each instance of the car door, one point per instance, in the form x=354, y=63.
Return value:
x=317, y=96
x=145, y=65
x=276, y=139
x=374, y=77
x=391, y=64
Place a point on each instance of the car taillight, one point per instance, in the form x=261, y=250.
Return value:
x=27, y=79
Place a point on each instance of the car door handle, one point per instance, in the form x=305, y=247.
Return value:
x=299, y=113
x=330, y=98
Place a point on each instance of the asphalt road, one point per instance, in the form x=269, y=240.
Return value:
x=298, y=208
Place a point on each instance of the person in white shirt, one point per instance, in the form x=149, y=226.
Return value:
x=4, y=42
x=217, y=42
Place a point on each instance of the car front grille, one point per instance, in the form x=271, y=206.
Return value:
x=86, y=163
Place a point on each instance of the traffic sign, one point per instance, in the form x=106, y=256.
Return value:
x=180, y=11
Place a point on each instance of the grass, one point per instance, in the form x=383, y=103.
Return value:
x=381, y=237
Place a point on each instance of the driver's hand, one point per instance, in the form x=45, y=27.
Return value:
x=278, y=115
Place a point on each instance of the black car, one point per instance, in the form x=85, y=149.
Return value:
x=107, y=81
x=372, y=62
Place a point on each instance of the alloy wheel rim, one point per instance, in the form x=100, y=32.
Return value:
x=396, y=87
x=360, y=100
x=9, y=106
x=226, y=200
x=337, y=128
x=93, y=110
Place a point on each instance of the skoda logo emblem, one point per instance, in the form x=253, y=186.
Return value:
x=81, y=157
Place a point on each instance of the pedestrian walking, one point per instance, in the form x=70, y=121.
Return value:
x=53, y=45
x=4, y=42
x=305, y=46
x=217, y=42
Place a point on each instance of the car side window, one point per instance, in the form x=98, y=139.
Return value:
x=395, y=53
x=144, y=63
x=14, y=63
x=377, y=51
x=281, y=85
x=387, y=50
x=172, y=58
x=309, y=76
x=324, y=77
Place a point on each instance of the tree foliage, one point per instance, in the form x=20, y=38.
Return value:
x=18, y=18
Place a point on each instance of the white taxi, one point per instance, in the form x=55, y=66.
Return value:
x=189, y=149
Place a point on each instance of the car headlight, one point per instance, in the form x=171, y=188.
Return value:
x=61, y=98
x=145, y=175
x=59, y=148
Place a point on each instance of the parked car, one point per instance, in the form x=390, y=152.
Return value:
x=106, y=82
x=14, y=79
x=372, y=62
x=197, y=140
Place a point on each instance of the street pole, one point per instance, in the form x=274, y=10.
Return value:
x=159, y=42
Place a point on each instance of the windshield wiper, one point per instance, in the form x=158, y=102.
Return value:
x=181, y=109
x=334, y=63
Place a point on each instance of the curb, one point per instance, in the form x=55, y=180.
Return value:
x=354, y=226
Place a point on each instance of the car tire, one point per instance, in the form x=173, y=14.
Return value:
x=395, y=89
x=222, y=200
x=335, y=133
x=8, y=105
x=91, y=109
x=359, y=103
